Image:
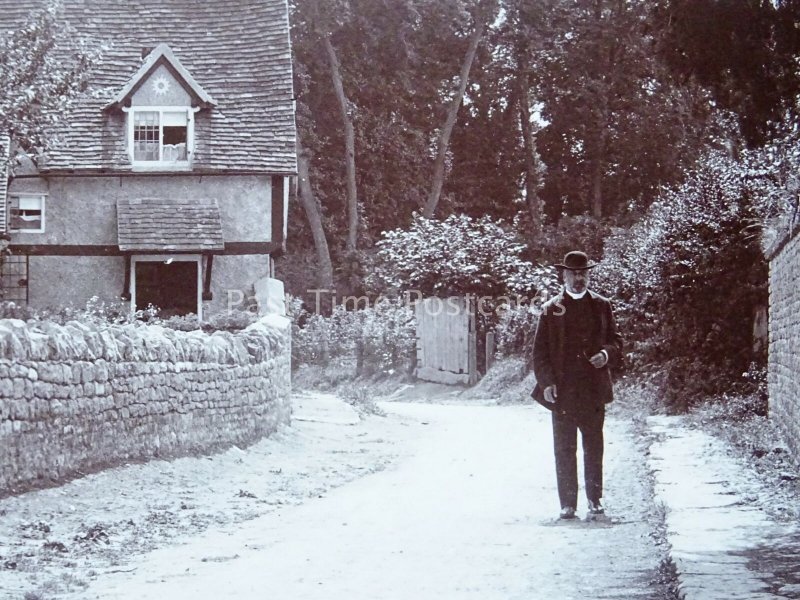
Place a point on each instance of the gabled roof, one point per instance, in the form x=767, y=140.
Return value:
x=237, y=52
x=155, y=225
x=159, y=53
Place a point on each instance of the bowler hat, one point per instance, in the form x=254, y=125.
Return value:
x=576, y=261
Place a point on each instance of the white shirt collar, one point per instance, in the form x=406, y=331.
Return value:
x=576, y=296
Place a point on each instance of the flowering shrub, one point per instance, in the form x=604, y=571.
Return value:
x=455, y=257
x=94, y=311
x=688, y=278
x=773, y=174
x=378, y=338
x=97, y=311
x=231, y=320
x=515, y=329
x=181, y=322
x=12, y=310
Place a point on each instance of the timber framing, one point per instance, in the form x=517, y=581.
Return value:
x=231, y=248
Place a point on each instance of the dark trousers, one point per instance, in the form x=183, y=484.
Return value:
x=565, y=442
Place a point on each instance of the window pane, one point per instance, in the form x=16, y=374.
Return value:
x=174, y=143
x=26, y=213
x=30, y=203
x=175, y=126
x=145, y=118
x=145, y=135
x=175, y=119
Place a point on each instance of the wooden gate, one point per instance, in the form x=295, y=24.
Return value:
x=446, y=340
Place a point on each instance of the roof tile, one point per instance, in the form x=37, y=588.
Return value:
x=238, y=51
x=154, y=225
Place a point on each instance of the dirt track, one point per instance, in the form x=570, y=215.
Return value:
x=451, y=501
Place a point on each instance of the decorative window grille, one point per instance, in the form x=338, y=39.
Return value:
x=14, y=278
x=146, y=136
x=160, y=136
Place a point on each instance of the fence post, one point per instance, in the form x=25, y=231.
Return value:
x=490, y=341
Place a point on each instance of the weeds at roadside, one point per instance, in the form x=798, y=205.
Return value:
x=756, y=440
x=66, y=583
x=635, y=400
x=668, y=579
x=360, y=398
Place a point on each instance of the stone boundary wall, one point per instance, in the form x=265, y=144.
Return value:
x=78, y=398
x=784, y=339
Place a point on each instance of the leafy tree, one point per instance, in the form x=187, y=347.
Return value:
x=744, y=51
x=572, y=107
x=619, y=126
x=43, y=67
x=689, y=277
x=483, y=12
x=319, y=21
x=571, y=112
x=313, y=213
x=397, y=61
x=773, y=172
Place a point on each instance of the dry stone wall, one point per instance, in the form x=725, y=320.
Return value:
x=784, y=339
x=78, y=397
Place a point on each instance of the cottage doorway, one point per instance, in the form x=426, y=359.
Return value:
x=171, y=284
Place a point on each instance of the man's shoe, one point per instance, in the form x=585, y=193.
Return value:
x=595, y=508
x=567, y=513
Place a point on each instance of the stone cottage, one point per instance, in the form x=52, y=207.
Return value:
x=169, y=185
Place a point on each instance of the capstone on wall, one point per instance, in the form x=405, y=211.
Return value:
x=80, y=397
x=784, y=340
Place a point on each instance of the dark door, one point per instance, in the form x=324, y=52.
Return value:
x=170, y=287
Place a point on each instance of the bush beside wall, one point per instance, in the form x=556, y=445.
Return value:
x=784, y=341
x=79, y=397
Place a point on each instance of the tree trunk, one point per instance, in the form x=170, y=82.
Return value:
x=314, y=216
x=598, y=167
x=349, y=144
x=443, y=141
x=604, y=63
x=532, y=176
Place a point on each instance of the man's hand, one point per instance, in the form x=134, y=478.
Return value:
x=550, y=394
x=599, y=360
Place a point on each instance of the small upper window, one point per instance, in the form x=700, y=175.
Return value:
x=26, y=214
x=160, y=137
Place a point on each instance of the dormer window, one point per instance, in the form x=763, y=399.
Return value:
x=160, y=101
x=161, y=136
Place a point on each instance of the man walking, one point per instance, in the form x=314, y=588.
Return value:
x=576, y=343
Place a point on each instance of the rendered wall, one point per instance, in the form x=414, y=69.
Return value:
x=78, y=398
x=72, y=280
x=83, y=210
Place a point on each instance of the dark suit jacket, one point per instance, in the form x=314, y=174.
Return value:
x=548, y=349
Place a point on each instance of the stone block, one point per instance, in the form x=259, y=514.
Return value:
x=43, y=390
x=6, y=388
x=101, y=371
